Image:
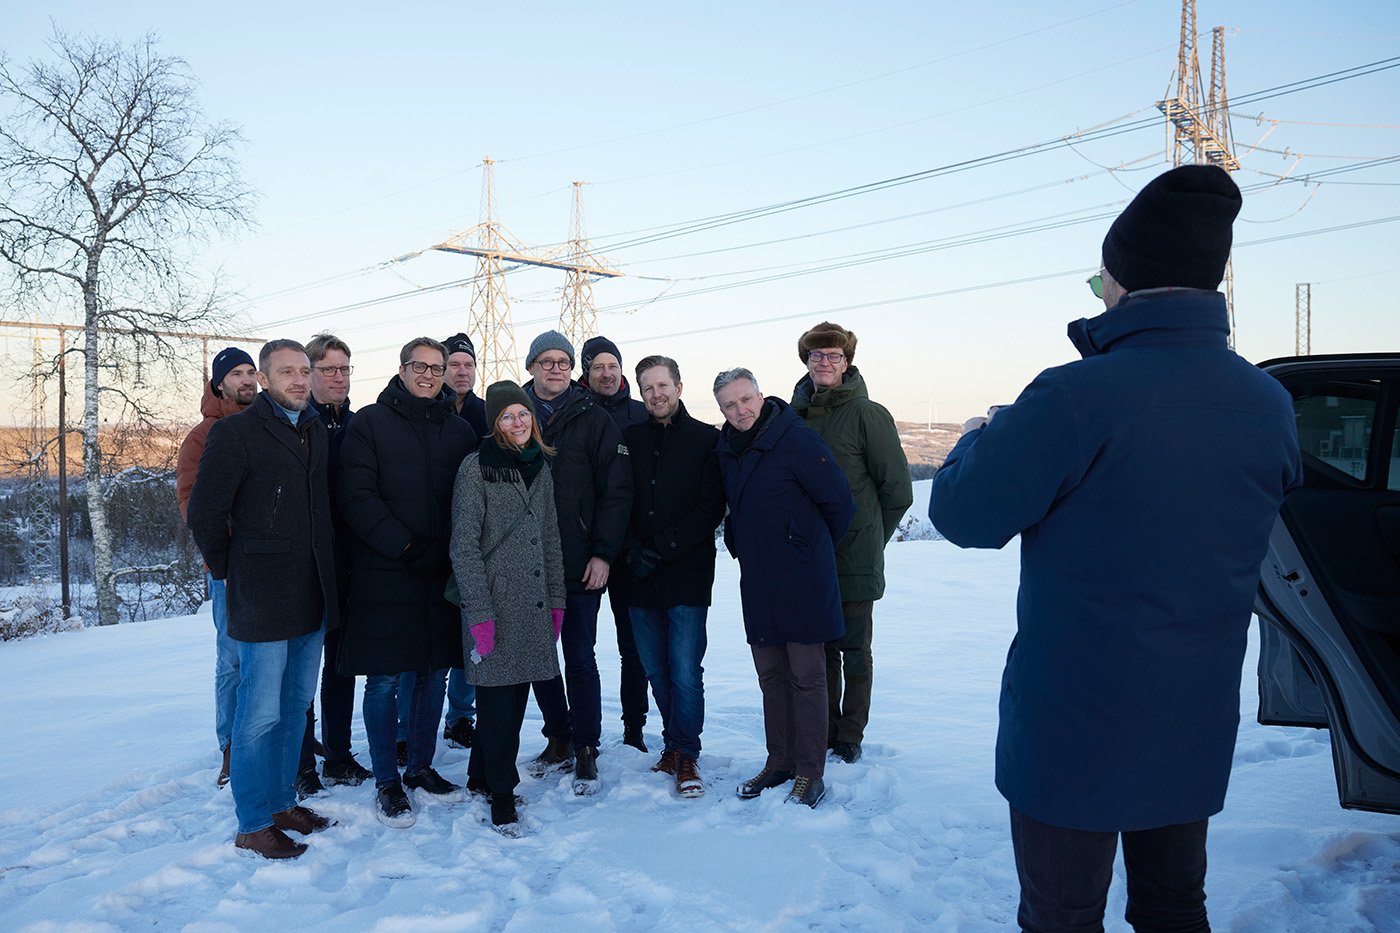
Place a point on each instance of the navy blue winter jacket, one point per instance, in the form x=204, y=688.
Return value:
x=1144, y=481
x=789, y=503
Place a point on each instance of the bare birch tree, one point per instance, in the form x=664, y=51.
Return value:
x=110, y=179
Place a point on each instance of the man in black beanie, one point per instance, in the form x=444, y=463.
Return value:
x=601, y=373
x=1144, y=481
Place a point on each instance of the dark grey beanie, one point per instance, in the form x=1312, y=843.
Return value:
x=1176, y=232
x=549, y=340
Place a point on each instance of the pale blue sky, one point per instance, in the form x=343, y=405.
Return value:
x=365, y=124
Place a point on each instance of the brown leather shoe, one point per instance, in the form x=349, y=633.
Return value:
x=223, y=770
x=666, y=764
x=269, y=843
x=688, y=783
x=301, y=820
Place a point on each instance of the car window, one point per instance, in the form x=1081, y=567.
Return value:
x=1394, y=475
x=1335, y=423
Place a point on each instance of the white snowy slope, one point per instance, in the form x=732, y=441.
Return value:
x=109, y=817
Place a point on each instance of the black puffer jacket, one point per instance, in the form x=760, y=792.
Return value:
x=679, y=503
x=397, y=468
x=592, y=481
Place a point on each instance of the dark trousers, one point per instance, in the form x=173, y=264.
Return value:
x=500, y=712
x=1065, y=874
x=633, y=691
x=849, y=666
x=337, y=703
x=792, y=677
x=584, y=710
x=554, y=707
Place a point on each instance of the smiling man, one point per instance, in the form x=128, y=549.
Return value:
x=593, y=494
x=601, y=365
x=833, y=400
x=679, y=501
x=260, y=514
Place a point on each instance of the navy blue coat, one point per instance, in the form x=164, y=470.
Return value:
x=789, y=503
x=1144, y=481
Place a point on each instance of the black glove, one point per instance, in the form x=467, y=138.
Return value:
x=642, y=561
x=425, y=558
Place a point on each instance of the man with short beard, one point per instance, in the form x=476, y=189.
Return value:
x=230, y=389
x=678, y=503
x=260, y=514
x=600, y=363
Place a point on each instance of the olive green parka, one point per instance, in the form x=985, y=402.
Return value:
x=863, y=436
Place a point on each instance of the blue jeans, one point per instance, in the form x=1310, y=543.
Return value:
x=671, y=643
x=277, y=680
x=461, y=697
x=578, y=637
x=225, y=666
x=423, y=709
x=1065, y=874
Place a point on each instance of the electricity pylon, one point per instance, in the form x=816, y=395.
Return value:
x=1198, y=118
x=1302, y=319
x=489, y=315
x=578, y=319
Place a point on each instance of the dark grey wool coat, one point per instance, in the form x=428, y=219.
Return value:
x=509, y=566
x=261, y=516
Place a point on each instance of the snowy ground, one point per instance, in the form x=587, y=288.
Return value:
x=109, y=817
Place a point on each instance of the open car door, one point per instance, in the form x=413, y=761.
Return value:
x=1329, y=595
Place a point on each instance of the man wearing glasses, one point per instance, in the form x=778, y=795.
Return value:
x=1144, y=481
x=330, y=400
x=593, y=494
x=832, y=399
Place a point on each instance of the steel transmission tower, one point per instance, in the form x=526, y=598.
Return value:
x=1198, y=118
x=494, y=248
x=578, y=319
x=1302, y=319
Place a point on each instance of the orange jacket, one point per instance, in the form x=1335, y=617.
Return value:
x=212, y=407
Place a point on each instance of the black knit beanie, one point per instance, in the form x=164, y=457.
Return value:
x=592, y=347
x=1176, y=232
x=502, y=395
x=460, y=343
x=226, y=360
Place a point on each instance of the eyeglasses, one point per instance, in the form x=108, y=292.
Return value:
x=332, y=371
x=1096, y=284
x=561, y=366
x=419, y=367
x=816, y=356
x=508, y=418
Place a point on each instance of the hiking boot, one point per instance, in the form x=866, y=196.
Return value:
x=760, y=782
x=346, y=771
x=301, y=820
x=223, y=771
x=849, y=752
x=809, y=791
x=269, y=843
x=688, y=783
x=394, y=809
x=632, y=735
x=308, y=783
x=401, y=751
x=557, y=756
x=504, y=819
x=430, y=782
x=586, y=771
x=666, y=764
x=460, y=734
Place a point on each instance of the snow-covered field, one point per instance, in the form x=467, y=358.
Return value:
x=109, y=817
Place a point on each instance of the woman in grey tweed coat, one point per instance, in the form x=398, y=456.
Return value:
x=510, y=572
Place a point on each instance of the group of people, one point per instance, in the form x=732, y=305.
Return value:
x=1142, y=480
x=449, y=548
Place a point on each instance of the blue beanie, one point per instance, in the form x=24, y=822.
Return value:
x=226, y=360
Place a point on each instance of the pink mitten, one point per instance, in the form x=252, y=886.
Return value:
x=484, y=634
x=558, y=616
